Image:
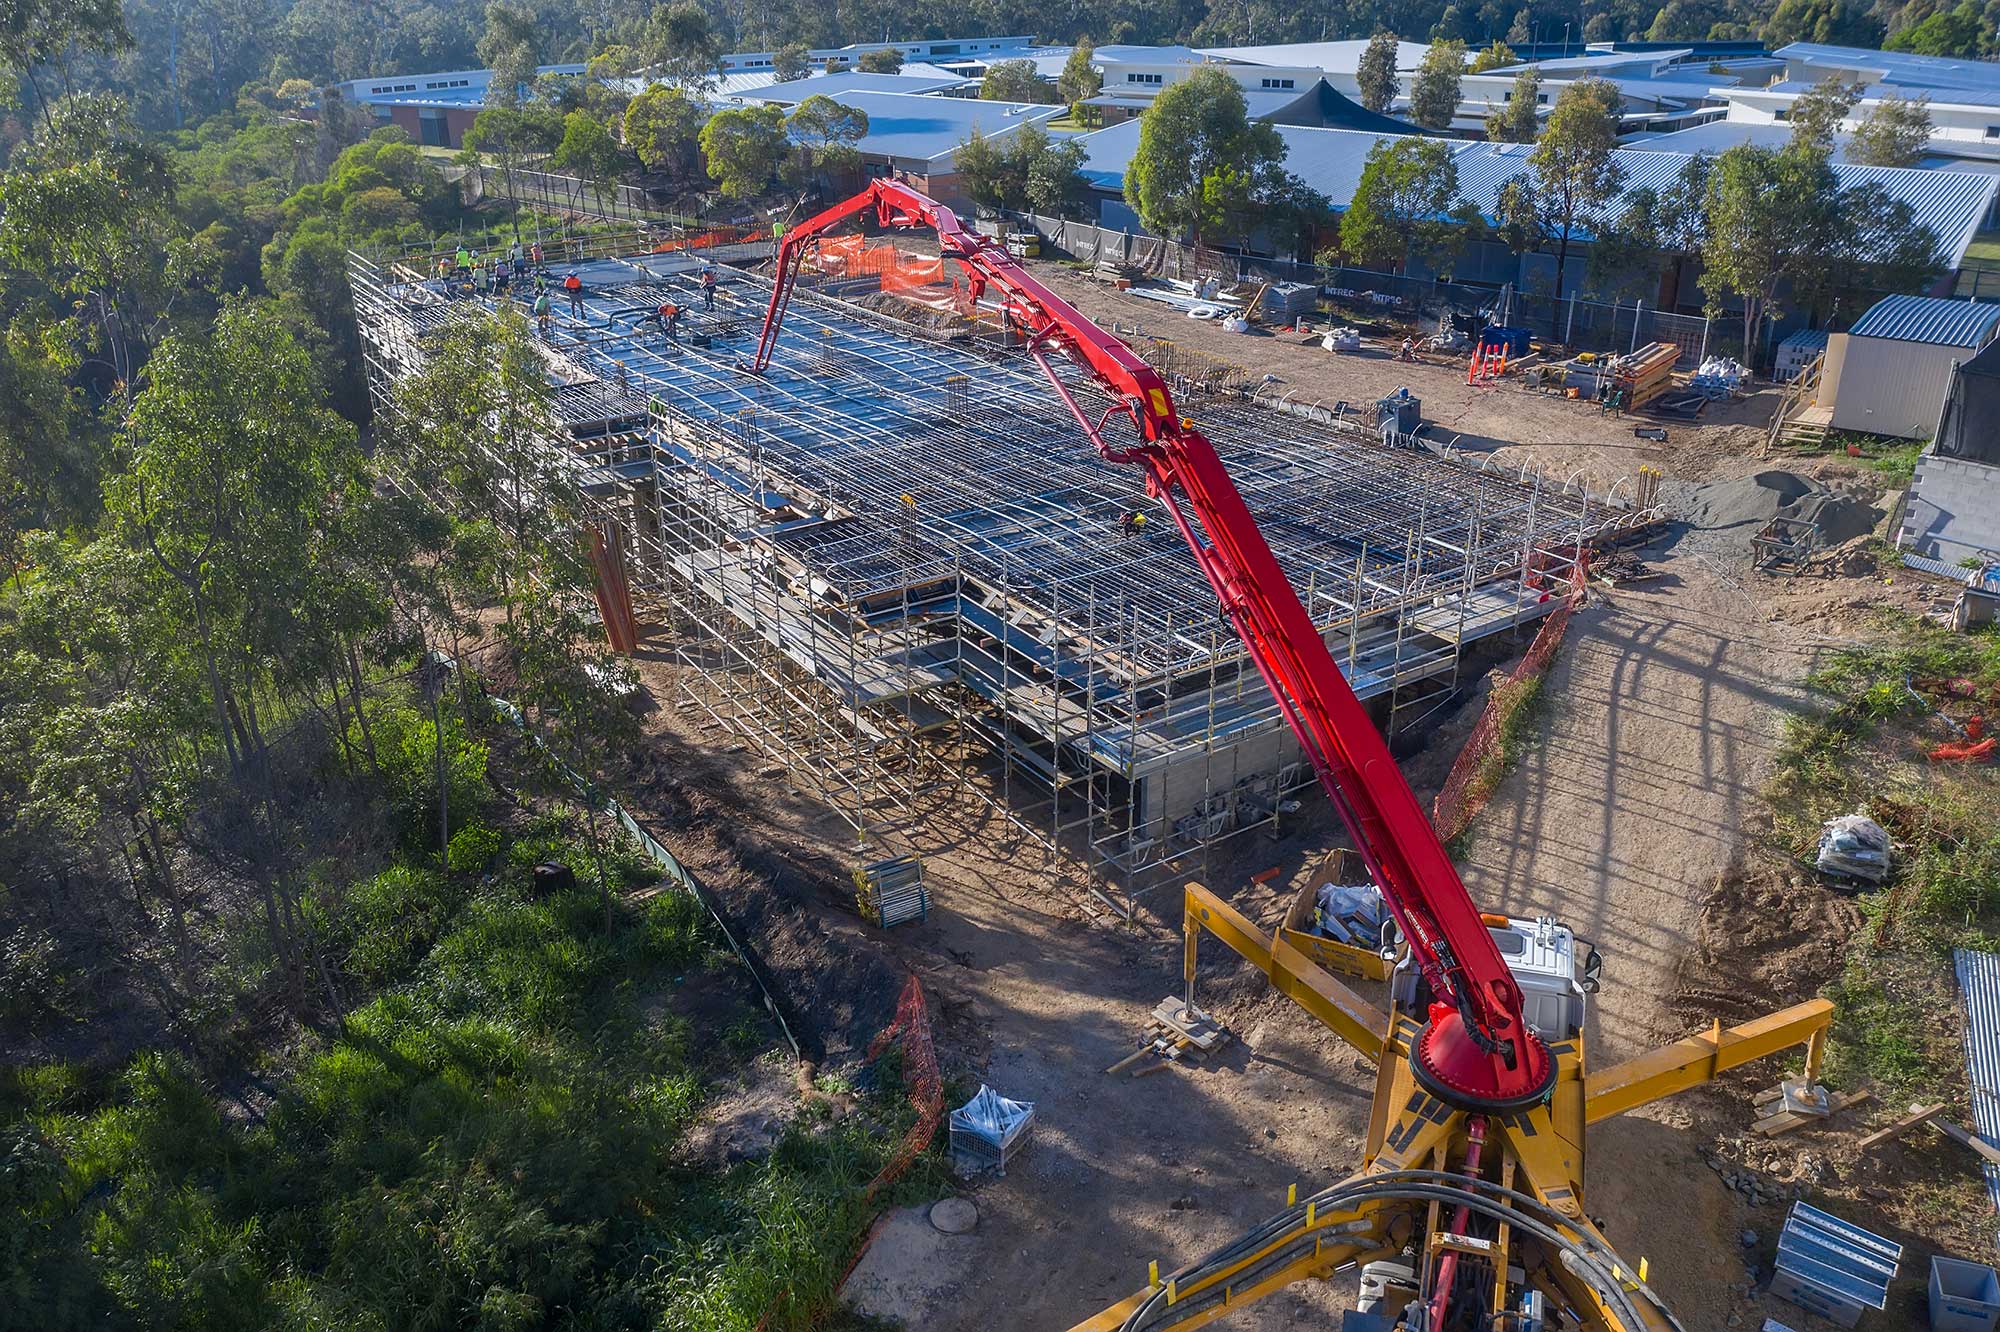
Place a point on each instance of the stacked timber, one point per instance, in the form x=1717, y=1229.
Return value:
x=1646, y=373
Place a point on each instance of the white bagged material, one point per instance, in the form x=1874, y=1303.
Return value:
x=1349, y=913
x=987, y=1130
x=1854, y=846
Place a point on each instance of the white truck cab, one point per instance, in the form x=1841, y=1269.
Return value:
x=1554, y=969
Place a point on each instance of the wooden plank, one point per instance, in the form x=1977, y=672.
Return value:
x=1202, y=1033
x=1786, y=1122
x=1966, y=1137
x=1919, y=1114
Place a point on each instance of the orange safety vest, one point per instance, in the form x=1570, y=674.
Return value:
x=572, y=283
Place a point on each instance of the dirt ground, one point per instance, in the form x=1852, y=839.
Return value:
x=1630, y=816
x=1560, y=438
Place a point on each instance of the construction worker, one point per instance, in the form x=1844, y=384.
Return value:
x=519, y=260
x=464, y=260
x=624, y=380
x=1133, y=524
x=708, y=287
x=1409, y=352
x=444, y=268
x=535, y=254
x=574, y=286
x=542, y=314
x=668, y=317
x=482, y=277
x=541, y=281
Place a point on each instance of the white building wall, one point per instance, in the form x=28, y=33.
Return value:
x=1894, y=388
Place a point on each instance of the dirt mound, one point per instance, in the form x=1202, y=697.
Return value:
x=1768, y=937
x=1747, y=500
x=1751, y=501
x=1838, y=517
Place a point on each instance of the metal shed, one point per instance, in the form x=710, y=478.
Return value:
x=1888, y=375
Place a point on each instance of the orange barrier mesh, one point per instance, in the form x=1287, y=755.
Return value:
x=925, y=1088
x=921, y=1081
x=1479, y=767
x=709, y=239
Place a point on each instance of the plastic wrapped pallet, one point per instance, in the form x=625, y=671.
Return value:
x=988, y=1130
x=1855, y=847
x=1349, y=913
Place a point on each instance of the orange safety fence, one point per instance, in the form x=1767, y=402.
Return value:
x=1476, y=772
x=707, y=240
x=924, y=1086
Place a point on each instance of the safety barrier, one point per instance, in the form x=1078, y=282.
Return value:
x=1476, y=772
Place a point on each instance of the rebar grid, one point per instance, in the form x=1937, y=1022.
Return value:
x=892, y=545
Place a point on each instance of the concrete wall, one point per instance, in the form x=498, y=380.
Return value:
x=1894, y=388
x=1953, y=509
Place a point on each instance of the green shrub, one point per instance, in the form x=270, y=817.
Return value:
x=473, y=848
x=390, y=922
x=406, y=742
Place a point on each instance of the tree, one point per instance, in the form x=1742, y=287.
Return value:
x=1828, y=22
x=1199, y=127
x=1495, y=56
x=983, y=168
x=1056, y=184
x=791, y=62
x=1407, y=205
x=588, y=149
x=744, y=147
x=882, y=60
x=1522, y=30
x=826, y=132
x=1957, y=32
x=1080, y=80
x=1576, y=173
x=1031, y=169
x=1778, y=220
x=663, y=127
x=1376, y=71
x=684, y=46
x=511, y=48
x=1518, y=119
x=1435, y=91
x=1818, y=112
x=1896, y=132
x=1015, y=81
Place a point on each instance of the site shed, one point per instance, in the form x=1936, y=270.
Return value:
x=1889, y=374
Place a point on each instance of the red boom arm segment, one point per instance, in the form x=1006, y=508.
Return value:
x=1475, y=1051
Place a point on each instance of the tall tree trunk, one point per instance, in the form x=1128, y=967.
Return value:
x=360, y=711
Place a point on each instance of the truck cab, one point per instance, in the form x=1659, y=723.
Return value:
x=1555, y=970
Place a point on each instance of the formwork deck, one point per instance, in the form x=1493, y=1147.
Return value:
x=879, y=461
x=915, y=525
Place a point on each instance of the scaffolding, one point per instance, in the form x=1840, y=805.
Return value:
x=891, y=563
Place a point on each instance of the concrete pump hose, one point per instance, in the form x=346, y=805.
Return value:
x=1515, y=1208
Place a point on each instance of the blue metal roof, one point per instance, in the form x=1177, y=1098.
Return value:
x=1876, y=92
x=1951, y=203
x=829, y=85
x=910, y=125
x=1930, y=319
x=1917, y=71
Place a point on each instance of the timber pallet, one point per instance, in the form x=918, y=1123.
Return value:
x=1792, y=1105
x=1173, y=1037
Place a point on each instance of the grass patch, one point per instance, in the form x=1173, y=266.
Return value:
x=1863, y=744
x=1895, y=460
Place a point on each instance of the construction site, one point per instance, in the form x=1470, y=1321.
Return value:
x=1027, y=617
x=899, y=566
